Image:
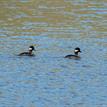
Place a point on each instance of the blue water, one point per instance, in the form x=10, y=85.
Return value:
x=48, y=79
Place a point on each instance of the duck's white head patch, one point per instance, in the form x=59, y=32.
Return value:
x=30, y=49
x=75, y=50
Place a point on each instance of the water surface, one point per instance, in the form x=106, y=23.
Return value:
x=55, y=28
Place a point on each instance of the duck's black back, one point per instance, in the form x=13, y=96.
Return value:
x=72, y=56
x=26, y=54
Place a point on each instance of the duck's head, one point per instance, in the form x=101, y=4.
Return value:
x=77, y=50
x=31, y=48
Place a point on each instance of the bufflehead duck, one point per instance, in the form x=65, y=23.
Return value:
x=75, y=56
x=29, y=53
